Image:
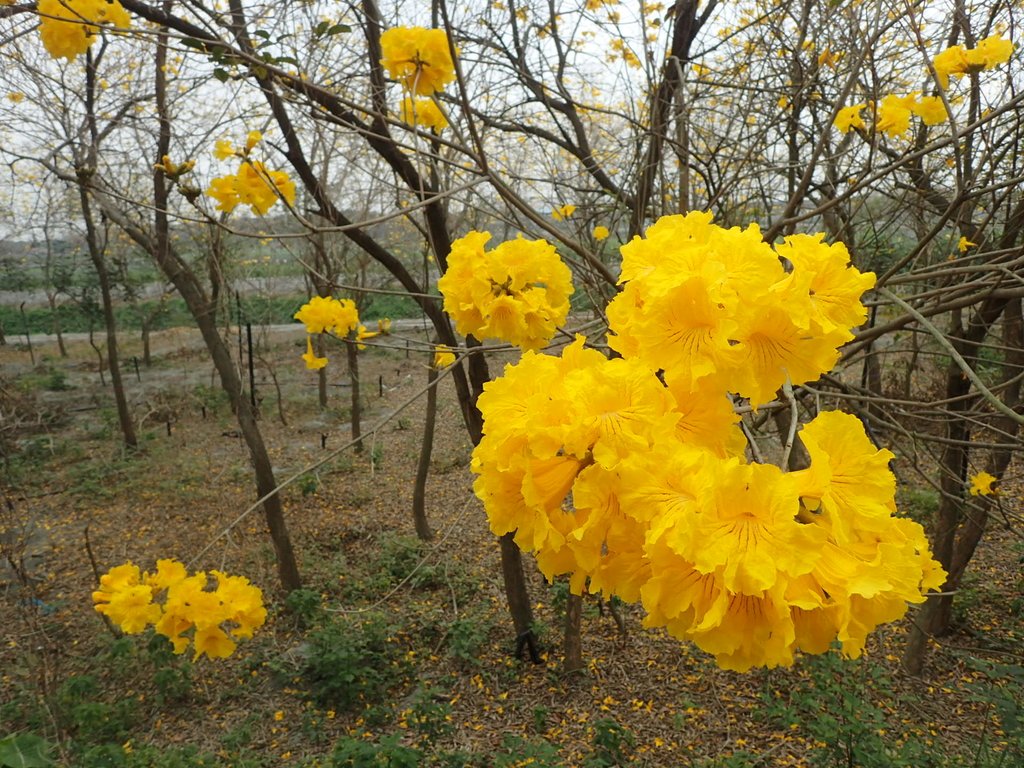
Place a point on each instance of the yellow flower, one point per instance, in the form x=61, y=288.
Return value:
x=362, y=335
x=328, y=315
x=443, y=356
x=952, y=61
x=829, y=59
x=560, y=214
x=252, y=139
x=260, y=188
x=313, y=362
x=384, y=326
x=931, y=110
x=964, y=244
x=983, y=484
x=15, y=97
x=893, y=114
x=849, y=117
x=956, y=60
x=517, y=293
x=68, y=27
x=423, y=113
x=993, y=51
x=223, y=149
x=224, y=189
x=418, y=58
x=601, y=233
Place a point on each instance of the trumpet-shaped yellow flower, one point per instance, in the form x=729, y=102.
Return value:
x=629, y=475
x=931, y=110
x=326, y=314
x=983, y=484
x=423, y=113
x=957, y=60
x=601, y=233
x=963, y=245
x=849, y=117
x=418, y=58
x=313, y=362
x=223, y=149
x=235, y=607
x=443, y=356
x=517, y=293
x=563, y=213
x=68, y=27
x=254, y=185
x=892, y=116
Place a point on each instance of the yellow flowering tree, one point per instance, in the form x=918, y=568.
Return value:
x=885, y=131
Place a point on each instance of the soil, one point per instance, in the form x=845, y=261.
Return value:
x=78, y=504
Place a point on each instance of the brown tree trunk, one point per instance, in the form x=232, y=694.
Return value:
x=203, y=310
x=124, y=415
x=572, y=660
x=933, y=618
x=147, y=352
x=55, y=319
x=419, y=491
x=351, y=349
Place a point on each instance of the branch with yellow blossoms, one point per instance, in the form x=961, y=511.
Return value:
x=630, y=475
x=191, y=613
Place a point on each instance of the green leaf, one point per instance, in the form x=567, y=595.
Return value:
x=326, y=29
x=24, y=750
x=221, y=74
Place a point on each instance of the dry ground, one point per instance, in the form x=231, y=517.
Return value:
x=70, y=484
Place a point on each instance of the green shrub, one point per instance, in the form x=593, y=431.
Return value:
x=611, y=743
x=352, y=661
x=466, y=636
x=517, y=751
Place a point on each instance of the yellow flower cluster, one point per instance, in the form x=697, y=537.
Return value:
x=418, y=58
x=329, y=315
x=957, y=60
x=254, y=185
x=630, y=473
x=983, y=484
x=517, y=293
x=423, y=113
x=892, y=114
x=216, y=618
x=68, y=27
x=716, y=307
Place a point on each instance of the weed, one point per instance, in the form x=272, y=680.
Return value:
x=611, y=742
x=388, y=752
x=429, y=716
x=308, y=484
x=352, y=661
x=304, y=605
x=518, y=751
x=836, y=707
x=466, y=636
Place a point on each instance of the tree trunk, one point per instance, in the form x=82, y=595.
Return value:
x=351, y=349
x=124, y=415
x=203, y=310
x=419, y=491
x=934, y=616
x=147, y=353
x=573, y=647
x=55, y=319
